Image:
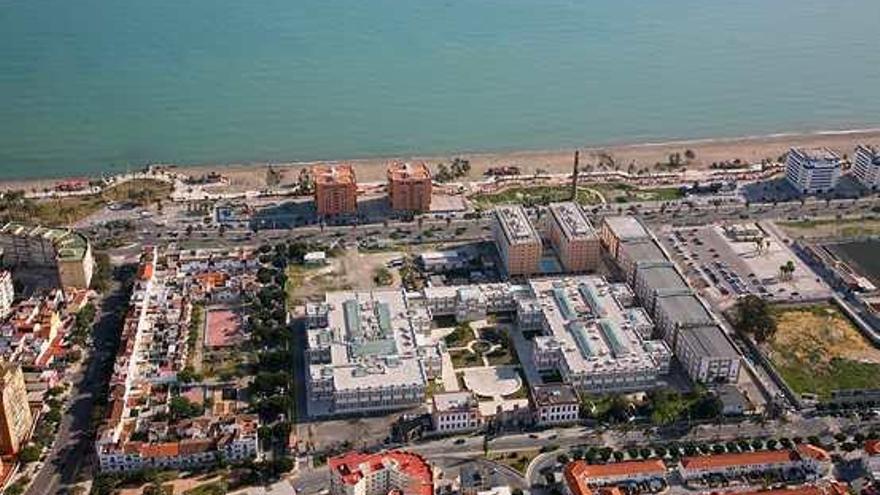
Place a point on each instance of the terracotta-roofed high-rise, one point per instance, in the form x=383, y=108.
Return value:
x=409, y=186
x=15, y=415
x=335, y=190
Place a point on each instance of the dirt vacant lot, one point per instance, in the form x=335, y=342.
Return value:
x=818, y=350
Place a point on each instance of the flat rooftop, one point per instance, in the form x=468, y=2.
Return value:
x=816, y=154
x=334, y=174
x=548, y=395
x=371, y=340
x=404, y=171
x=711, y=340
x=454, y=401
x=642, y=250
x=661, y=277
x=588, y=326
x=626, y=228
x=572, y=220
x=515, y=224
x=69, y=245
x=686, y=308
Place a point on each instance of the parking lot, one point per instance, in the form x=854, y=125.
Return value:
x=735, y=260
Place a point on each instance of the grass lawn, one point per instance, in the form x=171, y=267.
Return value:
x=832, y=227
x=295, y=276
x=534, y=195
x=502, y=356
x=63, y=211
x=464, y=359
x=817, y=350
x=215, y=488
x=460, y=337
x=519, y=461
x=613, y=193
x=624, y=193
x=839, y=374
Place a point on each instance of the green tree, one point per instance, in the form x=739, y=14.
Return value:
x=752, y=316
x=31, y=453
x=180, y=407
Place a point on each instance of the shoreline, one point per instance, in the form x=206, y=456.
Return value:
x=751, y=149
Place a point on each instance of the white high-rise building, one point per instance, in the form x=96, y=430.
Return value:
x=866, y=166
x=7, y=293
x=812, y=170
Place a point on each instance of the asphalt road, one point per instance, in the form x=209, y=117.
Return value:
x=676, y=213
x=74, y=442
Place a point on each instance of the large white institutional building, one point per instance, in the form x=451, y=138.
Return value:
x=813, y=170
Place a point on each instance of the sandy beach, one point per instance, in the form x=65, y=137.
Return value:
x=645, y=155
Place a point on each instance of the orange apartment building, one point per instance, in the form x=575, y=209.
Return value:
x=519, y=244
x=409, y=186
x=335, y=190
x=573, y=237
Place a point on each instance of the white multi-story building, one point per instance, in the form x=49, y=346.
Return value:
x=68, y=252
x=812, y=170
x=382, y=473
x=455, y=412
x=232, y=442
x=7, y=293
x=707, y=355
x=673, y=312
x=369, y=356
x=555, y=405
x=657, y=279
x=582, y=478
x=866, y=166
x=804, y=456
x=588, y=336
x=638, y=252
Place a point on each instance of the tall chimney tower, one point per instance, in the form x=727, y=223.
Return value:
x=574, y=176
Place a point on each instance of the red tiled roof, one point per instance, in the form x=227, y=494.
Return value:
x=146, y=271
x=833, y=488
x=334, y=174
x=195, y=446
x=574, y=478
x=169, y=449
x=352, y=467
x=872, y=447
x=655, y=466
x=401, y=171
x=813, y=452
x=578, y=473
x=739, y=459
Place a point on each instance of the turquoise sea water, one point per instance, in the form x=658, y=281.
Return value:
x=89, y=86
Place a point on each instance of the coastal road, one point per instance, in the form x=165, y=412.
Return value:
x=74, y=442
x=457, y=229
